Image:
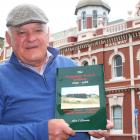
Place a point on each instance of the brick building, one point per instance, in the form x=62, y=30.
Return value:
x=1, y=47
x=115, y=44
x=5, y=50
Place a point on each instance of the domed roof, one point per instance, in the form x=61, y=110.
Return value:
x=84, y=3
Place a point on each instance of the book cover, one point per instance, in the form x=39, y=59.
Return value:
x=80, y=97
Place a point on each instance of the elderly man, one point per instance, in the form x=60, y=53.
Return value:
x=27, y=82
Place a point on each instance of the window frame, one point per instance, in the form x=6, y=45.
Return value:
x=138, y=59
x=94, y=18
x=84, y=20
x=85, y=62
x=114, y=118
x=116, y=67
x=115, y=100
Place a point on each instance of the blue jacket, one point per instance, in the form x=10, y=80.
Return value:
x=27, y=99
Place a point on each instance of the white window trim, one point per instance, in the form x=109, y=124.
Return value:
x=83, y=21
x=95, y=58
x=114, y=67
x=111, y=58
x=120, y=131
x=138, y=59
x=117, y=79
x=115, y=99
x=93, y=26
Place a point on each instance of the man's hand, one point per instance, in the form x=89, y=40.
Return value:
x=101, y=133
x=58, y=129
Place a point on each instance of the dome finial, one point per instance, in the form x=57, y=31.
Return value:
x=85, y=3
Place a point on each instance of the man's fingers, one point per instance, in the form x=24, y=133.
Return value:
x=99, y=133
x=69, y=131
x=59, y=130
x=109, y=124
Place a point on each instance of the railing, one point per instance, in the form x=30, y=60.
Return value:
x=114, y=28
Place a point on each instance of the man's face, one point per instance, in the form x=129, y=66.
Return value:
x=29, y=43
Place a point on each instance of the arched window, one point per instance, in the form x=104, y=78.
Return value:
x=138, y=58
x=94, y=19
x=83, y=20
x=84, y=63
x=117, y=66
x=117, y=117
x=105, y=20
x=93, y=61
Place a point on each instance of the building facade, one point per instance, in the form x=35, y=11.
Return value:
x=1, y=46
x=116, y=45
x=5, y=50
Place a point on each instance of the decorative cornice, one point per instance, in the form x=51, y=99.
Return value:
x=122, y=89
x=104, y=40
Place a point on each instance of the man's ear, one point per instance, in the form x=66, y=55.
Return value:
x=8, y=39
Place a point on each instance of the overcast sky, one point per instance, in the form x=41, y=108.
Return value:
x=61, y=12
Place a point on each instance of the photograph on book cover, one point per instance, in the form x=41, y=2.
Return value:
x=80, y=97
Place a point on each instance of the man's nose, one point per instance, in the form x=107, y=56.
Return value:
x=31, y=37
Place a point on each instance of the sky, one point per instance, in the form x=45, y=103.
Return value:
x=61, y=12
x=81, y=89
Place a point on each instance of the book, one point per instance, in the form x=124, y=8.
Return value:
x=80, y=97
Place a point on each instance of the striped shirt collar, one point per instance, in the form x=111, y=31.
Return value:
x=48, y=57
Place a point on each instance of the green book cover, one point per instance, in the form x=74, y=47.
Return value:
x=80, y=97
